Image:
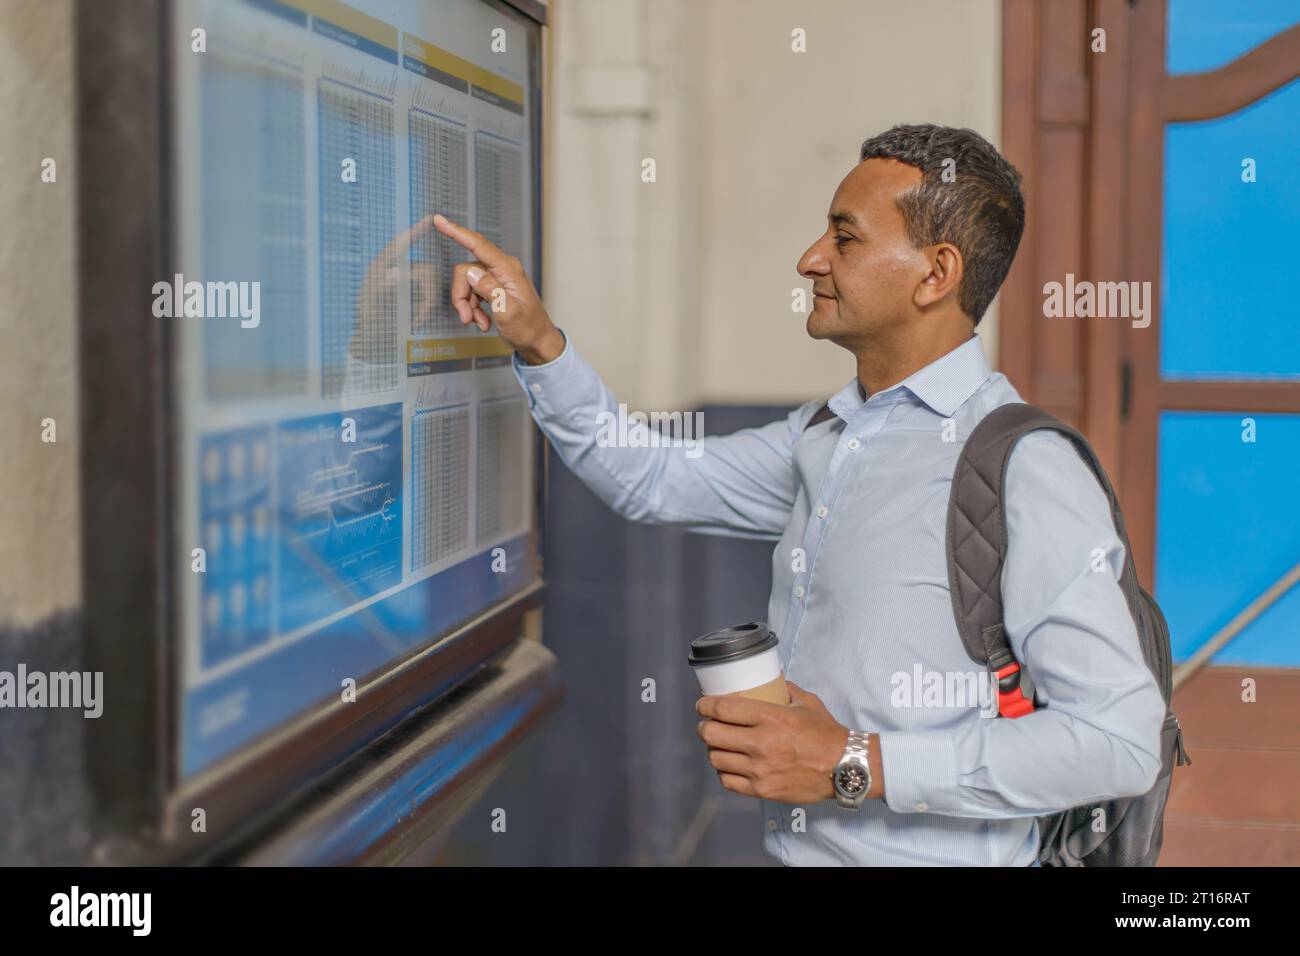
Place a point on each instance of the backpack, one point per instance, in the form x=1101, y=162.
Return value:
x=977, y=548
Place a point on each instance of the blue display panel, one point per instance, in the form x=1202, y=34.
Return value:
x=1203, y=35
x=227, y=711
x=355, y=470
x=1229, y=527
x=235, y=518
x=1228, y=309
x=340, y=507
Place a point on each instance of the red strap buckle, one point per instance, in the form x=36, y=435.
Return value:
x=1011, y=702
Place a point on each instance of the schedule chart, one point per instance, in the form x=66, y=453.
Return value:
x=439, y=184
x=440, y=459
x=498, y=186
x=500, y=444
x=357, y=224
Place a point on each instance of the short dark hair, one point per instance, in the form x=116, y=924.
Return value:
x=981, y=212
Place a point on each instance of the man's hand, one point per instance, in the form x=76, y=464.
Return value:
x=777, y=753
x=494, y=287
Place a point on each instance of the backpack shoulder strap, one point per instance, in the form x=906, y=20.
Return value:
x=977, y=525
x=822, y=414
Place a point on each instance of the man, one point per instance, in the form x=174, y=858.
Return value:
x=908, y=264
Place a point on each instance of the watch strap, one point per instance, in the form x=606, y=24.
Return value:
x=854, y=761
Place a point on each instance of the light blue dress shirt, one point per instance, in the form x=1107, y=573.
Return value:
x=860, y=602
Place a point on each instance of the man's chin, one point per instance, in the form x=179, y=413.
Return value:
x=823, y=331
x=818, y=327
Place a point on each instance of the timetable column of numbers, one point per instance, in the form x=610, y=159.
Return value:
x=500, y=468
x=439, y=484
x=439, y=184
x=499, y=192
x=357, y=223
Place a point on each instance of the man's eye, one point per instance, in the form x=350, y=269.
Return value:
x=841, y=239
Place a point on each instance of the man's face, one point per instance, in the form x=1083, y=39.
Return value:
x=864, y=268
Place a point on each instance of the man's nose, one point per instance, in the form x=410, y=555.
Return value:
x=813, y=262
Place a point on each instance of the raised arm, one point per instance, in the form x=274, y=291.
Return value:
x=740, y=484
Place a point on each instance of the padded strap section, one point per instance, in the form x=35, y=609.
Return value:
x=977, y=526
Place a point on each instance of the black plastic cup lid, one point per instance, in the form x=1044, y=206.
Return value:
x=731, y=643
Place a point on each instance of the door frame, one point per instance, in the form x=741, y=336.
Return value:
x=1086, y=131
x=1156, y=100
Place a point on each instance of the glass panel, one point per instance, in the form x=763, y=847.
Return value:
x=1228, y=308
x=1227, y=527
x=357, y=468
x=1207, y=34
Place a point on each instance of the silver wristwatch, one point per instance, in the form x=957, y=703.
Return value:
x=852, y=775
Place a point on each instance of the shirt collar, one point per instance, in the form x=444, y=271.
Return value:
x=944, y=385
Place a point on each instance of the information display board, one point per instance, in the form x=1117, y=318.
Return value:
x=355, y=471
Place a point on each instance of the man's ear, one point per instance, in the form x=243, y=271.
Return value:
x=944, y=277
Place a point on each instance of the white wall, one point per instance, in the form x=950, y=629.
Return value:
x=39, y=511
x=679, y=291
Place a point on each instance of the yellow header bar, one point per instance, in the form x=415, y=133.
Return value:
x=340, y=14
x=432, y=55
x=445, y=350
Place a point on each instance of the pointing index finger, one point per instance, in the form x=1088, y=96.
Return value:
x=476, y=243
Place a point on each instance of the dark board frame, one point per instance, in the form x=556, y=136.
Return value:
x=128, y=442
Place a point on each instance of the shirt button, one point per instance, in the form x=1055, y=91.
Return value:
x=853, y=444
x=798, y=591
x=772, y=825
x=537, y=388
x=922, y=806
x=823, y=511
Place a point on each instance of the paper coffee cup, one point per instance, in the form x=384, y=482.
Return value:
x=740, y=660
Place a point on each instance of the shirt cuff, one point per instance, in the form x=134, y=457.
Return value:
x=536, y=379
x=920, y=770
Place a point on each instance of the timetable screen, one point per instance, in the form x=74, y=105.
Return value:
x=355, y=469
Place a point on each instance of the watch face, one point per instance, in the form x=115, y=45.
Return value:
x=850, y=781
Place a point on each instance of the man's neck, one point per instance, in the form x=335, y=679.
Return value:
x=884, y=365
